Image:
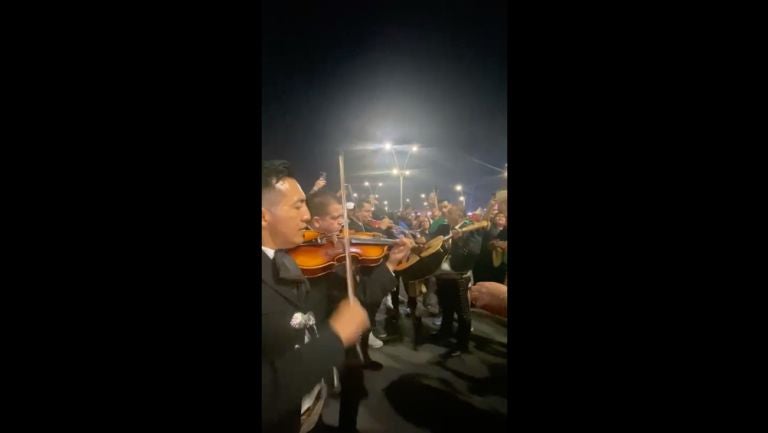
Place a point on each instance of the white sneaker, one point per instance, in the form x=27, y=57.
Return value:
x=374, y=342
x=388, y=303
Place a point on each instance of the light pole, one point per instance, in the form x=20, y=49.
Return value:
x=401, y=172
x=372, y=189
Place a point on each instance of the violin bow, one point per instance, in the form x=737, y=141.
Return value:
x=345, y=230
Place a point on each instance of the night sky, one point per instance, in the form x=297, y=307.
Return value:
x=354, y=77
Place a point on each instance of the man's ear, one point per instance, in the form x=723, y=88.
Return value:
x=314, y=223
x=264, y=217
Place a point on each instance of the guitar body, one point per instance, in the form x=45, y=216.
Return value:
x=422, y=265
x=427, y=262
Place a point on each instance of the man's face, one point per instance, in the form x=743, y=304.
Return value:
x=365, y=213
x=500, y=219
x=444, y=206
x=453, y=216
x=332, y=222
x=284, y=215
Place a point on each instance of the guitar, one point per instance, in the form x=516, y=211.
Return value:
x=435, y=245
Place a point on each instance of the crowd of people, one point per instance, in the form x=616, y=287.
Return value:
x=315, y=339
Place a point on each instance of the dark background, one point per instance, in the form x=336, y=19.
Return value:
x=355, y=76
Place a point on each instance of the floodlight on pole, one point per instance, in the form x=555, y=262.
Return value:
x=398, y=170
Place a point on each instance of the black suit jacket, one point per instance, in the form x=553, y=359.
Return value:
x=289, y=367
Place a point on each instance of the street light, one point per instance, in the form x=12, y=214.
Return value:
x=370, y=188
x=461, y=198
x=401, y=171
x=423, y=196
x=458, y=187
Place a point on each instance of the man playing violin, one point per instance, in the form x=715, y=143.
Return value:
x=361, y=220
x=297, y=350
x=376, y=282
x=373, y=284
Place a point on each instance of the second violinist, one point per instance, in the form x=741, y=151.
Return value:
x=361, y=220
x=373, y=284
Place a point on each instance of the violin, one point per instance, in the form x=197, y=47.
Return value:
x=319, y=255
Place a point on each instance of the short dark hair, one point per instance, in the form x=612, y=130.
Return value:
x=319, y=203
x=359, y=204
x=273, y=172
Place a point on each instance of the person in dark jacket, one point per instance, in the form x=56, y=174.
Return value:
x=361, y=220
x=373, y=283
x=297, y=350
x=494, y=238
x=454, y=280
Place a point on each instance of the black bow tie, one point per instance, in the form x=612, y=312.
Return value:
x=287, y=268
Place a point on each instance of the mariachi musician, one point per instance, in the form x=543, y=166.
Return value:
x=361, y=220
x=373, y=283
x=297, y=350
x=454, y=279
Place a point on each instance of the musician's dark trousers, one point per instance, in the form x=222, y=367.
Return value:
x=452, y=297
x=395, y=296
x=393, y=316
x=352, y=390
